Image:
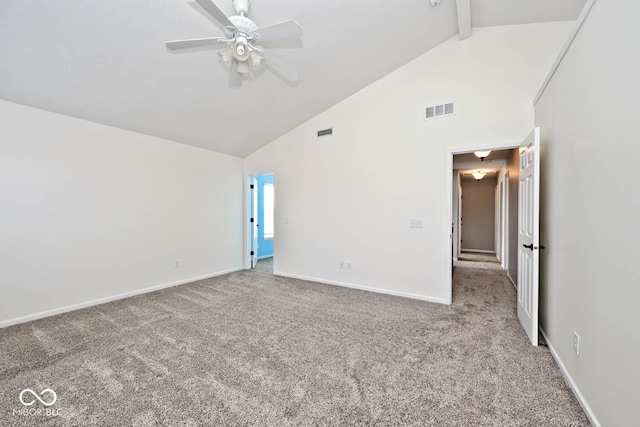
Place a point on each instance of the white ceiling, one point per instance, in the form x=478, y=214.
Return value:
x=106, y=61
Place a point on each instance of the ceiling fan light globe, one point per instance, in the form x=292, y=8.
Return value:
x=226, y=55
x=256, y=61
x=243, y=67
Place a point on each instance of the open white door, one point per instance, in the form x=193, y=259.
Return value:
x=254, y=222
x=529, y=234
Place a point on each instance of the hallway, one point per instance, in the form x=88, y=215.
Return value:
x=484, y=261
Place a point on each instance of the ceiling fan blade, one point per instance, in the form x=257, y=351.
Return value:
x=235, y=78
x=185, y=44
x=281, y=67
x=284, y=30
x=214, y=11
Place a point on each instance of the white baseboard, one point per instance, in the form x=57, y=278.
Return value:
x=265, y=256
x=363, y=288
x=513, y=282
x=48, y=313
x=478, y=251
x=574, y=388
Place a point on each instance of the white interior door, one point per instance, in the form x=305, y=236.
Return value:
x=529, y=234
x=254, y=222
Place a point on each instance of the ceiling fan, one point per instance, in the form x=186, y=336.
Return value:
x=240, y=53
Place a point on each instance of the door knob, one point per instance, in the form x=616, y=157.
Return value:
x=528, y=246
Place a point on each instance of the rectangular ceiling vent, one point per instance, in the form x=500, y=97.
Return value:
x=440, y=110
x=325, y=132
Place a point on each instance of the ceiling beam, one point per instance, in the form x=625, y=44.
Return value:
x=464, y=18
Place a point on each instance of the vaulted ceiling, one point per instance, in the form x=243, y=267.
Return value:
x=106, y=61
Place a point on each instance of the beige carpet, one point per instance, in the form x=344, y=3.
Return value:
x=478, y=260
x=478, y=256
x=253, y=349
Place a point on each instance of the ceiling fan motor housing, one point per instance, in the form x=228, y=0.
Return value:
x=243, y=25
x=245, y=28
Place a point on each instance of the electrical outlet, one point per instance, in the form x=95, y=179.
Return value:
x=348, y=265
x=177, y=263
x=415, y=223
x=576, y=343
x=341, y=264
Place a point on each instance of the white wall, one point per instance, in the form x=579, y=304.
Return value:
x=350, y=196
x=590, y=282
x=89, y=212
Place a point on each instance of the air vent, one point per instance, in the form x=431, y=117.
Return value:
x=431, y=113
x=448, y=109
x=325, y=132
x=440, y=110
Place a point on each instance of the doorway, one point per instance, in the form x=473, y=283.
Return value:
x=260, y=229
x=479, y=218
x=526, y=193
x=495, y=235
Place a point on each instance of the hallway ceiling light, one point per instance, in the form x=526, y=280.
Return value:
x=478, y=175
x=482, y=154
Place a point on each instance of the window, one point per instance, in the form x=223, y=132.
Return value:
x=268, y=211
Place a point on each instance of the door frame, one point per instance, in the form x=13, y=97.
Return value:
x=459, y=218
x=254, y=221
x=248, y=228
x=505, y=220
x=497, y=218
x=448, y=235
